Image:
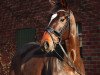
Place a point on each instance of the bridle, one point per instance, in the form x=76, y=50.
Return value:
x=59, y=34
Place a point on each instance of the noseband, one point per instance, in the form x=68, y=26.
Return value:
x=59, y=34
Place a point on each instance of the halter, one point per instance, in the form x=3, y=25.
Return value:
x=56, y=33
x=59, y=34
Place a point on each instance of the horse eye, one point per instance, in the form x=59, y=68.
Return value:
x=62, y=20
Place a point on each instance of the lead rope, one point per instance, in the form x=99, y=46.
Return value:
x=70, y=63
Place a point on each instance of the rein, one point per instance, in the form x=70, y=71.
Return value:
x=51, y=30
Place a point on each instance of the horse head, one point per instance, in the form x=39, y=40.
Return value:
x=53, y=34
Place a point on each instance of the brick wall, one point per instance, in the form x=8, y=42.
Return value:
x=19, y=14
x=88, y=15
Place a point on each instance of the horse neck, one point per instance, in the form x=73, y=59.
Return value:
x=69, y=33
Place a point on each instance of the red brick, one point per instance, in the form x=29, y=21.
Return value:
x=34, y=14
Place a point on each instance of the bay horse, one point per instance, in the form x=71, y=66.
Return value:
x=49, y=57
x=62, y=28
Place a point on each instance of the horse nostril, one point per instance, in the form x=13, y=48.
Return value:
x=46, y=45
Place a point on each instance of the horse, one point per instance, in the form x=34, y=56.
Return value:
x=49, y=57
x=53, y=37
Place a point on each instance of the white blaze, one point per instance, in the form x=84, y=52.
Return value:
x=53, y=17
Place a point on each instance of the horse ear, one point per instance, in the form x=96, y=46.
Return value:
x=52, y=2
x=64, y=3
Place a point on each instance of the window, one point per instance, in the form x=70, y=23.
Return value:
x=24, y=36
x=79, y=33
